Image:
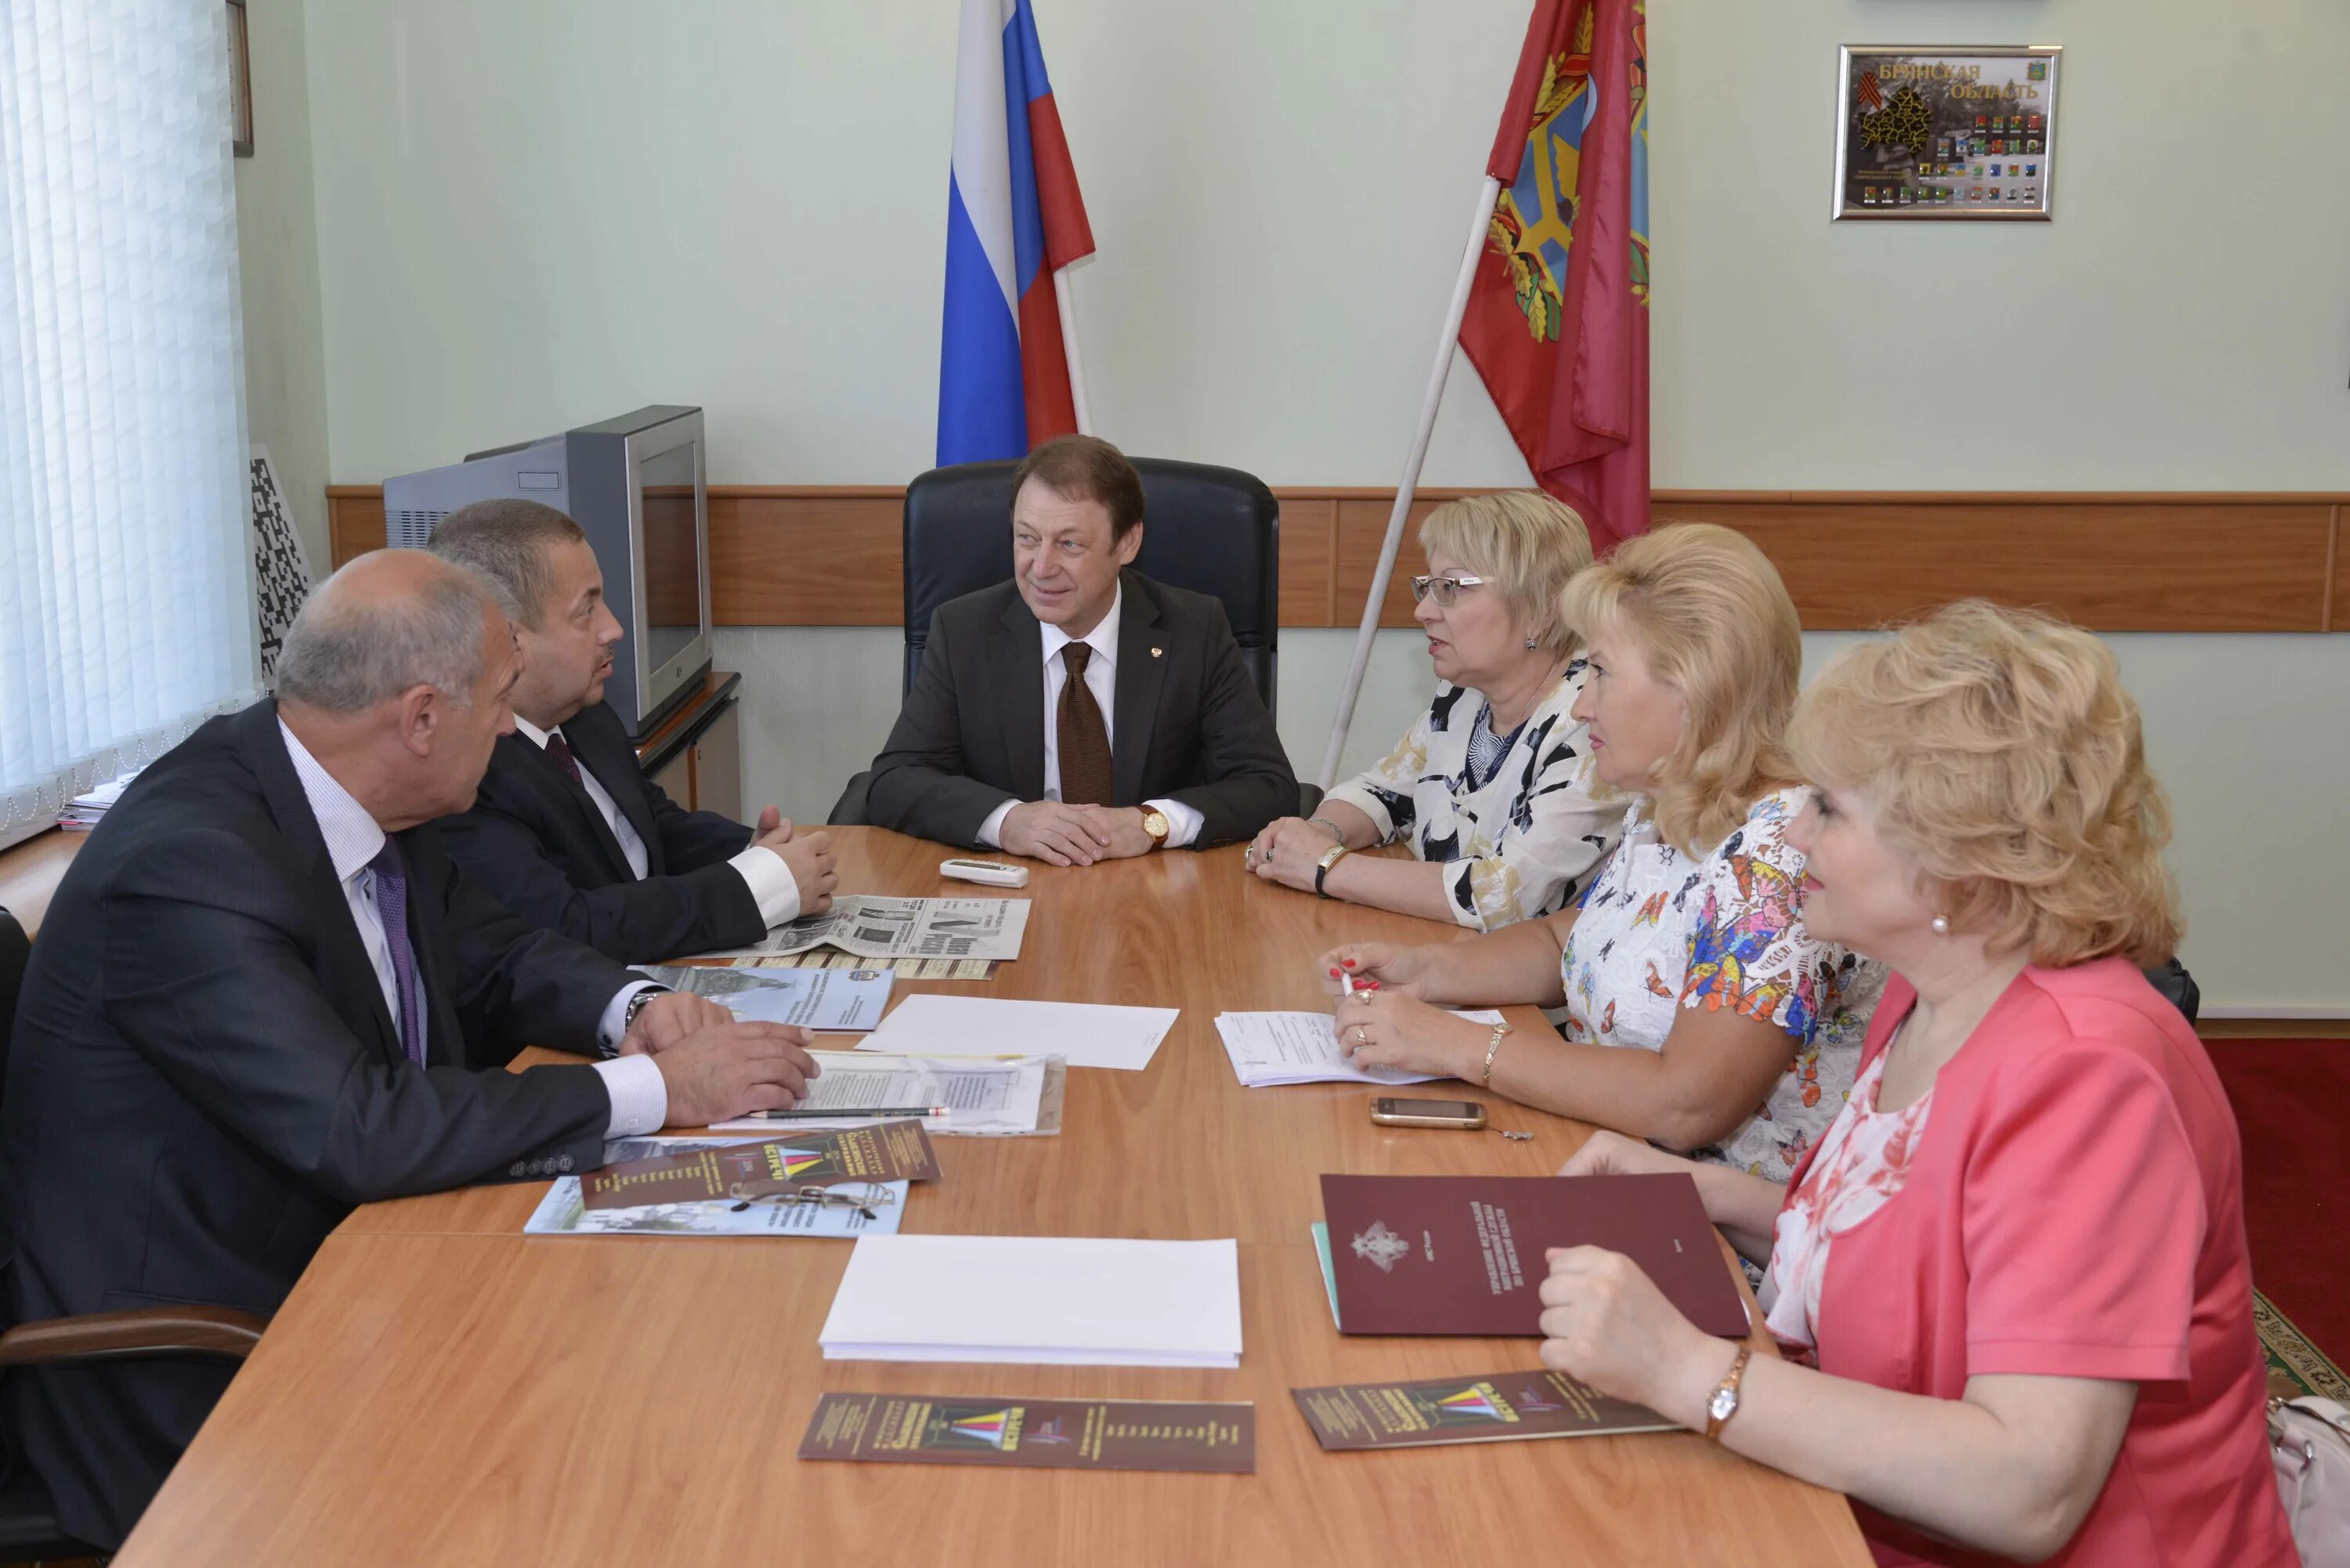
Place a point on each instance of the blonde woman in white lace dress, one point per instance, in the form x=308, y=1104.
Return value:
x=1491, y=787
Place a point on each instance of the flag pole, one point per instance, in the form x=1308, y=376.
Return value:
x=1487, y=196
x=1069, y=303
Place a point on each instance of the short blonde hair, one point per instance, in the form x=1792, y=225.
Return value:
x=1716, y=625
x=1527, y=544
x=1998, y=748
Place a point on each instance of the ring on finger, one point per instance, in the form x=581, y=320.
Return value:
x=1362, y=1036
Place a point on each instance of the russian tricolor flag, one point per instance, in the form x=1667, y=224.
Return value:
x=1014, y=219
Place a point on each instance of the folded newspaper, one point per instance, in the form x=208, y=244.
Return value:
x=876, y=928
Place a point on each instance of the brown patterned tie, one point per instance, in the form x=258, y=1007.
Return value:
x=1084, y=739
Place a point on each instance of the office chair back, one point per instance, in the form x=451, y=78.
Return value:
x=2178, y=988
x=15, y=954
x=1215, y=531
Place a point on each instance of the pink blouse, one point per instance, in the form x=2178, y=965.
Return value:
x=2073, y=1208
x=1864, y=1160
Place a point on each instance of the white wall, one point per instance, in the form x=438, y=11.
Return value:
x=531, y=213
x=277, y=245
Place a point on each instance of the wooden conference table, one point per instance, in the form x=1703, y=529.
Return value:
x=442, y=1389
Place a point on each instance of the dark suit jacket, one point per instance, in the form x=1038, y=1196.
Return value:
x=1187, y=725
x=538, y=843
x=205, y=1078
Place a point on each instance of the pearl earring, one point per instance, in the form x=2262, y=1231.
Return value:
x=1941, y=925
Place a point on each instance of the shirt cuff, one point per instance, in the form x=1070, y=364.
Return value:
x=640, y=1095
x=990, y=831
x=615, y=1014
x=773, y=886
x=1183, y=822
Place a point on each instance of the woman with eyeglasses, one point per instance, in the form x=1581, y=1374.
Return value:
x=1491, y=787
x=1700, y=1013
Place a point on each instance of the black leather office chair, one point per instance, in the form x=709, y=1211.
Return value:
x=2178, y=988
x=28, y=1523
x=1215, y=531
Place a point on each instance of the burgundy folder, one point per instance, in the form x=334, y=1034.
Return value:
x=1464, y=1254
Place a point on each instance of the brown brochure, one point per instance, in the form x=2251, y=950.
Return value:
x=1067, y=1434
x=890, y=1151
x=1497, y=1408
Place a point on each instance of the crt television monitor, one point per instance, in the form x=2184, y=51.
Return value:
x=638, y=488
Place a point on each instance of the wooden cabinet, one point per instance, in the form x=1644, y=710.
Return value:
x=695, y=754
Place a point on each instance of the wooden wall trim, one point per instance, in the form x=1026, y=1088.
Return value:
x=2112, y=561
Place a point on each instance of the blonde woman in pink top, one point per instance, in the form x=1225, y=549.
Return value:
x=2010, y=1280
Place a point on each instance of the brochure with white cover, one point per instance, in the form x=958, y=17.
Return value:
x=836, y=1000
x=1053, y=1301
x=1090, y=1034
x=564, y=1211
x=982, y=1095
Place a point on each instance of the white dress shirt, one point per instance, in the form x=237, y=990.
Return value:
x=639, y=1096
x=773, y=887
x=1183, y=822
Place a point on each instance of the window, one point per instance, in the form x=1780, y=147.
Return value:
x=125, y=560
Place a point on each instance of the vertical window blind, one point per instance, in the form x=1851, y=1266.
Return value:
x=125, y=555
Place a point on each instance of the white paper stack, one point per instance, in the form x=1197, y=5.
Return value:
x=84, y=811
x=1271, y=1048
x=1050, y=1301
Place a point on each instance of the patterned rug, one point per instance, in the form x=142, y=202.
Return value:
x=2295, y=1366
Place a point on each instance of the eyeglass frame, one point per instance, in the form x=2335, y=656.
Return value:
x=877, y=1195
x=1421, y=587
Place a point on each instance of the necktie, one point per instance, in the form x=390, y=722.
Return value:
x=1083, y=738
x=391, y=902
x=560, y=750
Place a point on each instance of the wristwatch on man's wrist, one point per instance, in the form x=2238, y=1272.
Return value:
x=637, y=1005
x=1155, y=823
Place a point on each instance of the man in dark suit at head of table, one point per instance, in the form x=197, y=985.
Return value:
x=263, y=995
x=568, y=830
x=1081, y=711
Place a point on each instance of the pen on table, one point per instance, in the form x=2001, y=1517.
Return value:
x=851, y=1113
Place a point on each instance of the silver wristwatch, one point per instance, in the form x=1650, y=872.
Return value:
x=636, y=1005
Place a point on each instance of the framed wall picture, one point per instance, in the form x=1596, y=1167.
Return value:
x=1955, y=132
x=240, y=82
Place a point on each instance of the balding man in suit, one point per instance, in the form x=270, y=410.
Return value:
x=264, y=994
x=568, y=831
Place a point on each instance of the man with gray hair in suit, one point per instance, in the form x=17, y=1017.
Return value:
x=264, y=994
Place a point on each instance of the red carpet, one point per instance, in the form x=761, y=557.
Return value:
x=2292, y=1104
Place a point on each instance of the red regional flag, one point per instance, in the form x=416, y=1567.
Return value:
x=1558, y=315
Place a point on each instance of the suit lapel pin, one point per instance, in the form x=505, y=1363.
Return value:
x=1155, y=652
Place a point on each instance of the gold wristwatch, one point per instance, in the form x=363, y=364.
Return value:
x=1722, y=1404
x=1155, y=823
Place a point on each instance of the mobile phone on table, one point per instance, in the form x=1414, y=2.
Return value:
x=1467, y=1116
